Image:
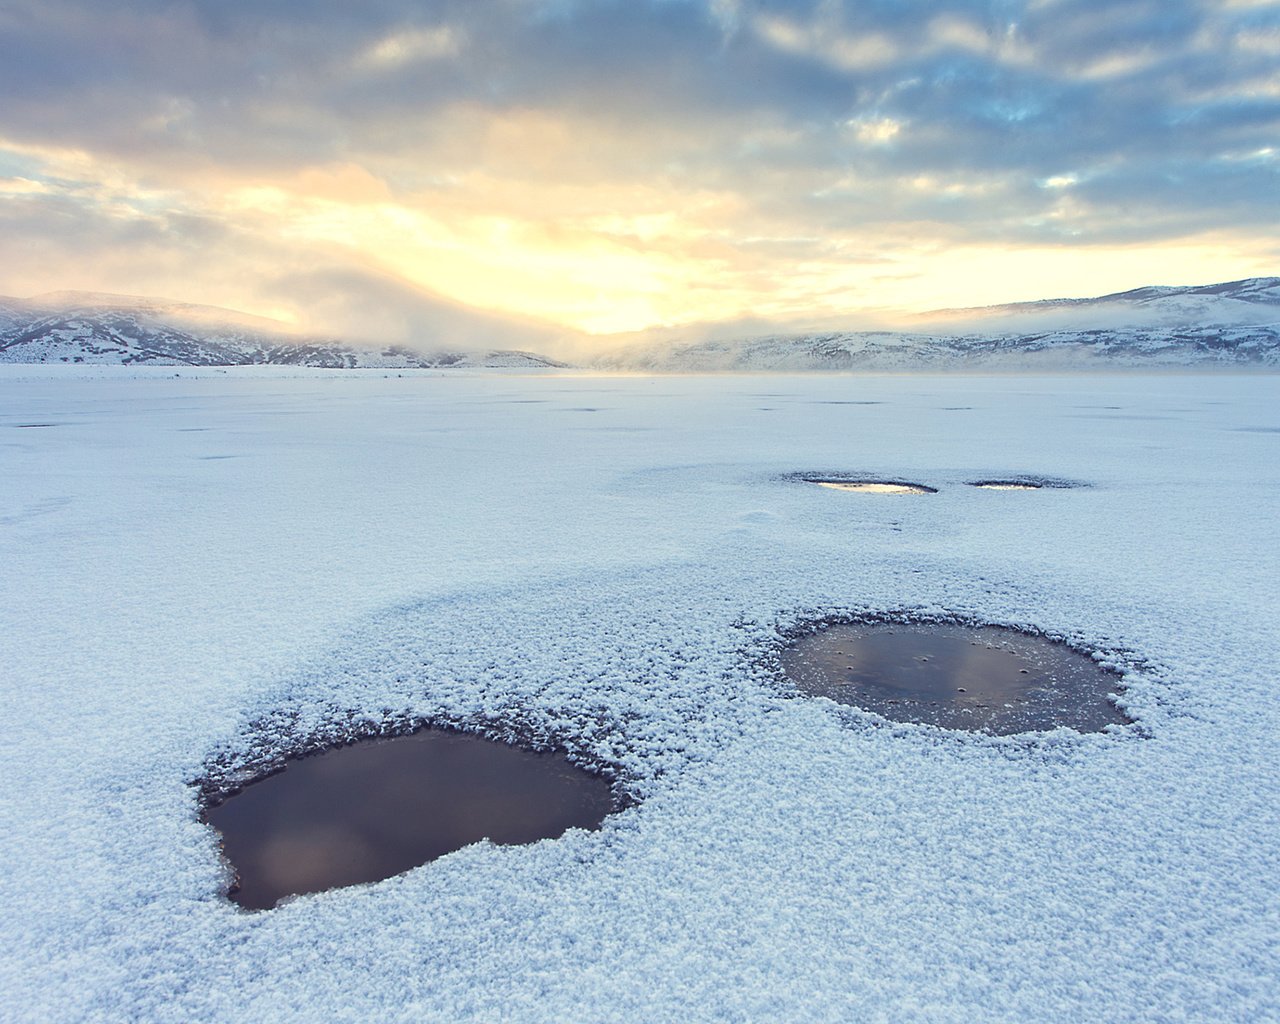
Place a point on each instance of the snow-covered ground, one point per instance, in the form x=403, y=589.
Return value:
x=605, y=560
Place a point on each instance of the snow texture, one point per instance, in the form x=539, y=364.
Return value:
x=200, y=570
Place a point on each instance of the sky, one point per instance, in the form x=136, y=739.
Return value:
x=599, y=166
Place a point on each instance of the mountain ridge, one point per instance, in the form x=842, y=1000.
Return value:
x=1261, y=290
x=102, y=328
x=1229, y=324
x=1233, y=324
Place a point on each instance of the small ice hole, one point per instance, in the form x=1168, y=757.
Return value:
x=873, y=486
x=1007, y=485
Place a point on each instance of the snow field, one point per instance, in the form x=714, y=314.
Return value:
x=194, y=565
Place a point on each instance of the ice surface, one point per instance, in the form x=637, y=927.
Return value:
x=191, y=563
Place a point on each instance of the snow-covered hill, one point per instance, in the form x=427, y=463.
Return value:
x=1235, y=324
x=76, y=327
x=1250, y=302
x=1232, y=324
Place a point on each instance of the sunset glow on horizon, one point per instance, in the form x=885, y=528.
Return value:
x=610, y=167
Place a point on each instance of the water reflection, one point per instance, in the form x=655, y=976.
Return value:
x=874, y=486
x=374, y=809
x=984, y=679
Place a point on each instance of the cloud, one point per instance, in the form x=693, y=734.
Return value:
x=617, y=163
x=321, y=295
x=409, y=46
x=363, y=306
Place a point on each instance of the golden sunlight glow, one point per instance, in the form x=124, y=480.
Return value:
x=608, y=259
x=521, y=230
x=23, y=186
x=873, y=488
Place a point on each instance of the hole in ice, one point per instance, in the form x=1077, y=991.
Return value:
x=1025, y=483
x=378, y=807
x=977, y=678
x=1007, y=485
x=871, y=486
x=1115, y=416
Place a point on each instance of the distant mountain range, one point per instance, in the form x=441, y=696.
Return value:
x=83, y=327
x=1234, y=324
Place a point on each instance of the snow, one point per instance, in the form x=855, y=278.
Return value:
x=97, y=329
x=1251, y=302
x=1231, y=325
x=990, y=351
x=196, y=563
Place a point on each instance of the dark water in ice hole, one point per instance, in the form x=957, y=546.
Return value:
x=978, y=678
x=376, y=808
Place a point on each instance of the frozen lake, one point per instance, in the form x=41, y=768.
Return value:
x=194, y=563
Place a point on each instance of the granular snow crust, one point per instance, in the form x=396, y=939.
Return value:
x=205, y=571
